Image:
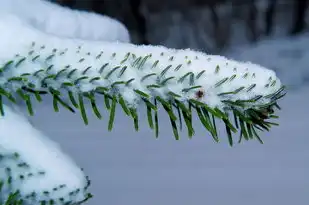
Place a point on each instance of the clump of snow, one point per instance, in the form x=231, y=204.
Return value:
x=64, y=22
x=120, y=62
x=36, y=163
x=288, y=57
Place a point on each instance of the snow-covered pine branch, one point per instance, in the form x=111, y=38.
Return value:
x=64, y=22
x=34, y=167
x=34, y=63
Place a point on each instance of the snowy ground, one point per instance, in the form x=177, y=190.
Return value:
x=134, y=168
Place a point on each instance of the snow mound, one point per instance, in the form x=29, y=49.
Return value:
x=35, y=164
x=64, y=22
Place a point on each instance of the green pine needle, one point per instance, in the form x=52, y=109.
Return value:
x=1, y=106
x=95, y=109
x=135, y=118
x=112, y=114
x=106, y=100
x=72, y=99
x=175, y=129
x=82, y=109
x=123, y=105
x=156, y=120
x=149, y=117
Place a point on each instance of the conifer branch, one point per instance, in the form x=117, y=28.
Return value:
x=181, y=81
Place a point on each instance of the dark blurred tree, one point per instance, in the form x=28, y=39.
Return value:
x=299, y=15
x=135, y=7
x=214, y=18
x=128, y=12
x=68, y=3
x=270, y=17
x=220, y=29
x=134, y=14
x=252, y=21
x=97, y=5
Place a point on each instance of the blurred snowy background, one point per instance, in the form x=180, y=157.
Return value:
x=134, y=168
x=270, y=32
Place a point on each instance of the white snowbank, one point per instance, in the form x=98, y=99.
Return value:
x=64, y=22
x=41, y=155
x=288, y=57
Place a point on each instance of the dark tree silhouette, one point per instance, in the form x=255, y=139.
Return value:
x=214, y=18
x=135, y=7
x=97, y=6
x=270, y=17
x=299, y=15
x=67, y=3
x=252, y=22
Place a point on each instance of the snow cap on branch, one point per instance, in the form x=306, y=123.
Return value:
x=131, y=75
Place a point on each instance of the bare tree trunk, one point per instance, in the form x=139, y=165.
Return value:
x=269, y=17
x=300, y=7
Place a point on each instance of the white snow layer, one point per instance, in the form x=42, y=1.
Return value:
x=64, y=22
x=41, y=155
x=135, y=62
